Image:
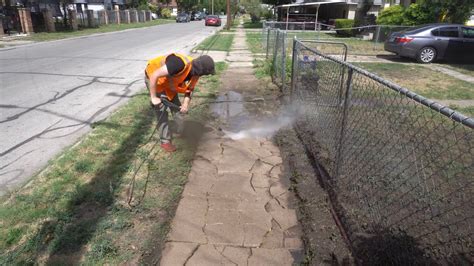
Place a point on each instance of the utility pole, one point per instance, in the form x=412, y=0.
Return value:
x=212, y=8
x=229, y=17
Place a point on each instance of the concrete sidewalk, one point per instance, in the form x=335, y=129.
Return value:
x=236, y=207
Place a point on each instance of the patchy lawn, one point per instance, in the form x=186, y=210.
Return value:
x=254, y=42
x=107, y=200
x=50, y=36
x=313, y=35
x=355, y=46
x=422, y=80
x=217, y=42
x=466, y=69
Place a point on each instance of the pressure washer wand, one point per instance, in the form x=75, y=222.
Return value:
x=169, y=104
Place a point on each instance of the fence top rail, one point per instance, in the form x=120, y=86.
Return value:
x=366, y=26
x=444, y=110
x=326, y=42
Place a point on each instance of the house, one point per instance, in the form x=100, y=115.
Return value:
x=97, y=5
x=324, y=11
x=172, y=5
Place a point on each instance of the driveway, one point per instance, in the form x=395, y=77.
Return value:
x=52, y=92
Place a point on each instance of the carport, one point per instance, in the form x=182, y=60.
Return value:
x=317, y=4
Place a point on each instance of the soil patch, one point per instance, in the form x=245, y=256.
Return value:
x=324, y=244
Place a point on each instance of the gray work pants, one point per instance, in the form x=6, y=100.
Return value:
x=161, y=111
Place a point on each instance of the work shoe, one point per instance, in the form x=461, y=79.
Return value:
x=168, y=146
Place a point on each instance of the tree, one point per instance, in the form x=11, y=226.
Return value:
x=415, y=14
x=428, y=11
x=362, y=8
x=452, y=11
x=391, y=16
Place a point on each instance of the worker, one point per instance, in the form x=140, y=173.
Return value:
x=166, y=77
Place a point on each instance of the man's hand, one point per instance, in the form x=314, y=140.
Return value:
x=155, y=101
x=184, y=108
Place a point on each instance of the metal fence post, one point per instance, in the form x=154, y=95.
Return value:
x=377, y=36
x=294, y=58
x=347, y=100
x=268, y=41
x=275, y=50
x=342, y=76
x=319, y=32
x=283, y=61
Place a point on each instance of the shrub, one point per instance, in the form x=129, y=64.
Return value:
x=153, y=8
x=391, y=16
x=143, y=7
x=165, y=13
x=267, y=14
x=343, y=24
x=415, y=14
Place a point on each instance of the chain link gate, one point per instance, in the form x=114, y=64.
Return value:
x=398, y=167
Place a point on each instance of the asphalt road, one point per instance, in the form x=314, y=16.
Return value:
x=50, y=93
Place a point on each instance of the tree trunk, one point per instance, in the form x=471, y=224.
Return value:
x=66, y=16
x=362, y=8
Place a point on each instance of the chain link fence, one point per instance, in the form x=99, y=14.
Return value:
x=398, y=167
x=376, y=33
x=279, y=60
x=279, y=53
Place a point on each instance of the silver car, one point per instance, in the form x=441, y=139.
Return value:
x=450, y=42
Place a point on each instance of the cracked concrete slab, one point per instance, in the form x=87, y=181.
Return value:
x=190, y=217
x=207, y=255
x=231, y=155
x=176, y=253
x=241, y=64
x=234, y=185
x=236, y=255
x=239, y=58
x=269, y=257
x=236, y=206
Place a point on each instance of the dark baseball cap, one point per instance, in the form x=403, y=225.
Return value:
x=203, y=65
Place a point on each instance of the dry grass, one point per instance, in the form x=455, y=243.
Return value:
x=424, y=81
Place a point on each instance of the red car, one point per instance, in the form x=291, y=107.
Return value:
x=212, y=20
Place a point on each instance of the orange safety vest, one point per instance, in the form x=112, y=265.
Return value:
x=175, y=84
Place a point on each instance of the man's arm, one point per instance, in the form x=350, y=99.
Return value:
x=161, y=72
x=185, y=105
x=187, y=95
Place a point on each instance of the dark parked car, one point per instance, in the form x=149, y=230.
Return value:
x=183, y=17
x=212, y=20
x=197, y=16
x=434, y=42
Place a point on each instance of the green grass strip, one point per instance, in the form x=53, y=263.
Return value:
x=217, y=42
x=254, y=42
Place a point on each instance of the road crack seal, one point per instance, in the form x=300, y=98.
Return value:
x=55, y=98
